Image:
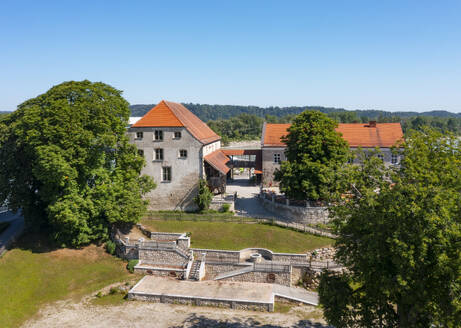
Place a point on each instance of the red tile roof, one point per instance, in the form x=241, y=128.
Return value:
x=170, y=114
x=218, y=160
x=273, y=133
x=356, y=134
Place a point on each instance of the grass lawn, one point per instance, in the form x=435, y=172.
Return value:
x=237, y=236
x=33, y=273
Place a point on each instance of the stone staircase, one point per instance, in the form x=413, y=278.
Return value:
x=195, y=270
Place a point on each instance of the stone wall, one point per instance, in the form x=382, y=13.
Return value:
x=214, y=269
x=160, y=272
x=200, y=301
x=281, y=278
x=127, y=252
x=304, y=215
x=219, y=256
x=289, y=258
x=269, y=166
x=185, y=172
x=159, y=256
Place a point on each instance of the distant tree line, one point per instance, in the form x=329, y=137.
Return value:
x=235, y=123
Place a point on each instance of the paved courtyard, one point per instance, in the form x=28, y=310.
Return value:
x=247, y=203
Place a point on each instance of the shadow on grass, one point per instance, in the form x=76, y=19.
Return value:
x=36, y=242
x=194, y=321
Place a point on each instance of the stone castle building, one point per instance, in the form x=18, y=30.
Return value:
x=179, y=149
x=358, y=135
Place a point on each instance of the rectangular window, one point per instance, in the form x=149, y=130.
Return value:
x=351, y=160
x=159, y=154
x=166, y=174
x=182, y=153
x=277, y=158
x=381, y=157
x=177, y=135
x=141, y=152
x=139, y=135
x=158, y=135
x=394, y=159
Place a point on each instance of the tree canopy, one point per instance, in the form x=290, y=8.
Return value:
x=315, y=152
x=65, y=161
x=400, y=239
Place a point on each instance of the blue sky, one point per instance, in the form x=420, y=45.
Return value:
x=389, y=55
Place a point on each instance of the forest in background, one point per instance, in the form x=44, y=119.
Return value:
x=235, y=123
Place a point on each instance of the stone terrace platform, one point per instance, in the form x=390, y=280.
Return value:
x=235, y=295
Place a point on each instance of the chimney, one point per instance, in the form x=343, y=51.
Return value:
x=372, y=124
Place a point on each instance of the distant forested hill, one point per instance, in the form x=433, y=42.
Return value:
x=245, y=122
x=216, y=112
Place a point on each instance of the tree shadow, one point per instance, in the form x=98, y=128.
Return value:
x=35, y=242
x=195, y=321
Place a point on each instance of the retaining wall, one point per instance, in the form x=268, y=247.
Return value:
x=214, y=269
x=307, y=215
x=199, y=301
x=281, y=278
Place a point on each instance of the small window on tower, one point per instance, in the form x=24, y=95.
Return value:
x=183, y=153
x=177, y=135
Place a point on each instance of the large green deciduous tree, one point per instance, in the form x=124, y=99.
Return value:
x=65, y=161
x=400, y=238
x=315, y=152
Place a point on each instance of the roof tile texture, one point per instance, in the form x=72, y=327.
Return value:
x=356, y=134
x=218, y=160
x=170, y=114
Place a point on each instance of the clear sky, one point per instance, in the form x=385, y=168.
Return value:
x=389, y=55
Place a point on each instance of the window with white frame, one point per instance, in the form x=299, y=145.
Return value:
x=158, y=154
x=139, y=135
x=395, y=159
x=158, y=135
x=177, y=135
x=166, y=174
x=277, y=158
x=182, y=153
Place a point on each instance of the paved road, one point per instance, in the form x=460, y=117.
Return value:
x=14, y=230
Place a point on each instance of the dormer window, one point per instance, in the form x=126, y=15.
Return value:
x=139, y=135
x=177, y=135
x=158, y=135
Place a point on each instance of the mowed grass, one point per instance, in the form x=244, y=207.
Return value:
x=237, y=236
x=33, y=274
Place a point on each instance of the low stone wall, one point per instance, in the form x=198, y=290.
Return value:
x=304, y=215
x=167, y=257
x=214, y=269
x=218, y=256
x=126, y=252
x=160, y=272
x=218, y=201
x=281, y=278
x=289, y=258
x=199, y=301
x=166, y=236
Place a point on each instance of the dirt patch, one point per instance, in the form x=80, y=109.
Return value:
x=90, y=252
x=146, y=314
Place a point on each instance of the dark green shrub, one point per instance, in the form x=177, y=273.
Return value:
x=225, y=207
x=131, y=264
x=110, y=247
x=203, y=199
